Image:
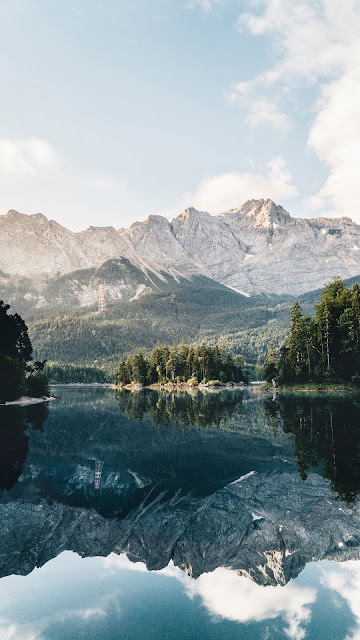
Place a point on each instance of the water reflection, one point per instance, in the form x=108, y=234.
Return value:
x=195, y=408
x=215, y=490
x=325, y=432
x=113, y=598
x=14, y=439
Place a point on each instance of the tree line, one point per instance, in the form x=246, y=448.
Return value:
x=323, y=347
x=17, y=375
x=191, y=364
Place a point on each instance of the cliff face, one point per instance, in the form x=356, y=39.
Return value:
x=256, y=247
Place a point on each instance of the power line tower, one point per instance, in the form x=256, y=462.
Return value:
x=101, y=298
x=98, y=471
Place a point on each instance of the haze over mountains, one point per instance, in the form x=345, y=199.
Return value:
x=257, y=247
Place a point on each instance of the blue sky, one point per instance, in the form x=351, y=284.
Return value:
x=114, y=110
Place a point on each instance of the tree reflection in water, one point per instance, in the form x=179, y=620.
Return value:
x=181, y=408
x=14, y=439
x=325, y=432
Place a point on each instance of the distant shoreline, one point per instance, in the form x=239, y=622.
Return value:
x=315, y=388
x=181, y=386
x=82, y=384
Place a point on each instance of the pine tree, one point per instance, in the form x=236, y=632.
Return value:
x=270, y=368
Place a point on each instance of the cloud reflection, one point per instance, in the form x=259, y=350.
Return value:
x=228, y=595
x=345, y=580
x=14, y=632
x=225, y=594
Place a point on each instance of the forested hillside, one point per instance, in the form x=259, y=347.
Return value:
x=197, y=311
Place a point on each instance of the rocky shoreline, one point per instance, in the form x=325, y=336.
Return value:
x=25, y=401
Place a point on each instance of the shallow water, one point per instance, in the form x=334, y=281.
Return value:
x=225, y=515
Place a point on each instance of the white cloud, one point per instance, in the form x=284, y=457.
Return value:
x=118, y=562
x=227, y=595
x=311, y=37
x=14, y=632
x=233, y=597
x=87, y=614
x=28, y=157
x=317, y=43
x=228, y=190
x=266, y=112
x=335, y=138
x=345, y=580
x=262, y=111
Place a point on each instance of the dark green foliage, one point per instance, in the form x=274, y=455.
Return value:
x=180, y=364
x=12, y=379
x=182, y=408
x=15, y=424
x=15, y=354
x=67, y=373
x=326, y=346
x=325, y=433
x=15, y=351
x=14, y=337
x=37, y=385
x=270, y=366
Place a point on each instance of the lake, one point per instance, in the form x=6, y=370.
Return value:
x=193, y=516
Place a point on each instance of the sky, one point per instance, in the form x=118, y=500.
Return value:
x=113, y=110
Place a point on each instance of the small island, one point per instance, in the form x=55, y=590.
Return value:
x=179, y=367
x=18, y=377
x=321, y=352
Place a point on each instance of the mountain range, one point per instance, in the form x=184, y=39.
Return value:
x=200, y=278
x=257, y=247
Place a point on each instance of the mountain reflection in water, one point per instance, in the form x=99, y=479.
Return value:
x=204, y=481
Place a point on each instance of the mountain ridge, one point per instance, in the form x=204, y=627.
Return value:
x=256, y=247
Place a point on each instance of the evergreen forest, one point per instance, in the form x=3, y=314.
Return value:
x=323, y=347
x=183, y=364
x=17, y=375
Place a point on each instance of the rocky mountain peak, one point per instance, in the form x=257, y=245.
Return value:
x=191, y=216
x=189, y=211
x=12, y=213
x=152, y=222
x=265, y=213
x=269, y=215
x=157, y=221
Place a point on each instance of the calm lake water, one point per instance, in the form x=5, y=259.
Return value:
x=228, y=515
